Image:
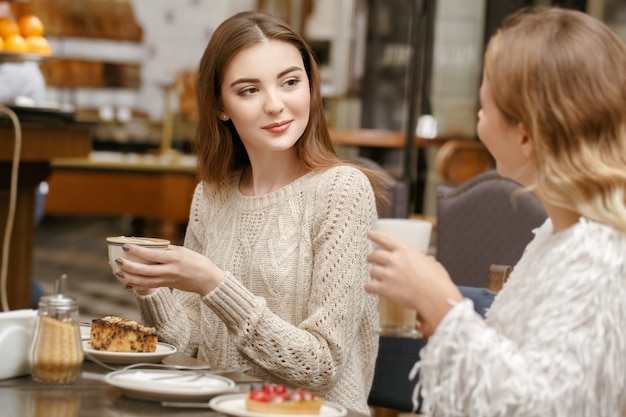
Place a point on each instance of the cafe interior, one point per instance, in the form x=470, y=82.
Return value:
x=108, y=151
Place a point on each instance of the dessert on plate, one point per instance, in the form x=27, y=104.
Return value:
x=278, y=399
x=116, y=334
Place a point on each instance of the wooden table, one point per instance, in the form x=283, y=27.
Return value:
x=107, y=183
x=90, y=396
x=374, y=138
x=41, y=142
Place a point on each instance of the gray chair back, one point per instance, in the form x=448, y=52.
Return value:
x=481, y=222
x=396, y=192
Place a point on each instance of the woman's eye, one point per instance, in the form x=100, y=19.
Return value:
x=292, y=82
x=247, y=91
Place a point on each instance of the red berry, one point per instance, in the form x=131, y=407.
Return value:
x=295, y=396
x=277, y=400
x=259, y=395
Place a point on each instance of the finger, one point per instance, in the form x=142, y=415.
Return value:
x=383, y=239
x=378, y=256
x=147, y=270
x=122, y=279
x=138, y=281
x=373, y=287
x=418, y=325
x=153, y=255
x=381, y=274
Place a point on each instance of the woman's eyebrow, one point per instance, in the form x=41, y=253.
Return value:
x=245, y=81
x=256, y=80
x=288, y=70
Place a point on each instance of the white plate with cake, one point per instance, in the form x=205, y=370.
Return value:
x=235, y=405
x=162, y=351
x=169, y=385
x=117, y=340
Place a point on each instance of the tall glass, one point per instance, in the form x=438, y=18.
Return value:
x=395, y=319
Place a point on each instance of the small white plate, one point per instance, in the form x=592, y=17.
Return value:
x=85, y=331
x=163, y=350
x=169, y=385
x=235, y=405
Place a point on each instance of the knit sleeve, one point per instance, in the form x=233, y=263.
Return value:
x=194, y=235
x=556, y=344
x=312, y=354
x=162, y=310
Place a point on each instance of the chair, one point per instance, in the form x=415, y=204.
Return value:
x=498, y=274
x=459, y=160
x=481, y=222
x=391, y=389
x=396, y=193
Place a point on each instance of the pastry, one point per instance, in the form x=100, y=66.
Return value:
x=277, y=399
x=115, y=334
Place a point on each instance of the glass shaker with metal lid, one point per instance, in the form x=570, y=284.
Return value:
x=56, y=352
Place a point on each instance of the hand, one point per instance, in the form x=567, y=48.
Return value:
x=176, y=267
x=408, y=277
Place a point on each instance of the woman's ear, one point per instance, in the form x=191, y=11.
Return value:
x=526, y=143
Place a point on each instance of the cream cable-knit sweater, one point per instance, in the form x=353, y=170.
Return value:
x=292, y=304
x=554, y=340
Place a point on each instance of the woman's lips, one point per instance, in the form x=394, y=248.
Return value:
x=278, y=127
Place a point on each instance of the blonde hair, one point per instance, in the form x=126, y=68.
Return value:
x=562, y=74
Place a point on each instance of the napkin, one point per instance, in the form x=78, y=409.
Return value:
x=17, y=329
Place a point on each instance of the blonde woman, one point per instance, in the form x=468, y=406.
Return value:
x=553, y=115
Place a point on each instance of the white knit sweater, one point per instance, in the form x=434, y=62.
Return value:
x=554, y=340
x=292, y=304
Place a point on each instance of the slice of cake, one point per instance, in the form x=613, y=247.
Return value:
x=115, y=334
x=277, y=399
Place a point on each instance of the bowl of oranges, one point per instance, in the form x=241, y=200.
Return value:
x=23, y=38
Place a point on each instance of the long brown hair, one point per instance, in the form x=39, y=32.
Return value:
x=218, y=146
x=562, y=74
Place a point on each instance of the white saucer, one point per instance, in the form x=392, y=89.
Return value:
x=169, y=385
x=235, y=405
x=163, y=350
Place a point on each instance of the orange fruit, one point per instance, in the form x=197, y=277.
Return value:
x=15, y=43
x=1, y=44
x=8, y=28
x=38, y=45
x=30, y=25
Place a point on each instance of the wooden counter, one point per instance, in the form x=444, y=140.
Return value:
x=40, y=144
x=375, y=138
x=145, y=186
x=384, y=140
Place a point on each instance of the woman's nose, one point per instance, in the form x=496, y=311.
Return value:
x=273, y=103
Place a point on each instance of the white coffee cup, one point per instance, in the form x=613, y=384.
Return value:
x=394, y=318
x=115, y=248
x=411, y=231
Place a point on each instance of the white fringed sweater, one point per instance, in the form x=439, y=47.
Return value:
x=292, y=304
x=553, y=342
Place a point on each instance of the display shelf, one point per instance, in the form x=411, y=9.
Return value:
x=20, y=57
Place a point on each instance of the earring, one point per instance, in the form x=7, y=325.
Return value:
x=224, y=117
